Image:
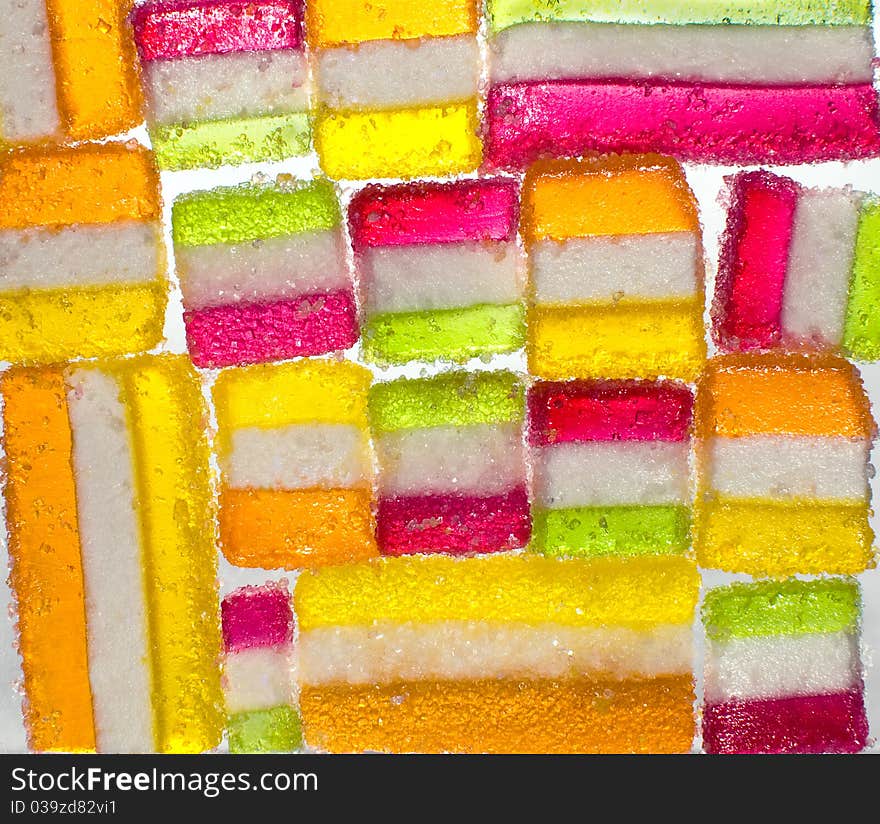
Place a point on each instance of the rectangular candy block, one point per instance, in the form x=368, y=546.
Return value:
x=615, y=267
x=783, y=451
x=452, y=470
x=610, y=467
x=498, y=654
x=296, y=472
x=257, y=679
x=225, y=81
x=708, y=82
x=397, y=85
x=82, y=265
x=263, y=273
x=440, y=272
x=67, y=71
x=783, y=670
x=109, y=516
x=796, y=269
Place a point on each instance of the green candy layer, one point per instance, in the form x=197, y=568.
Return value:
x=782, y=608
x=273, y=730
x=455, y=334
x=586, y=532
x=861, y=333
x=238, y=214
x=453, y=399
x=220, y=142
x=504, y=13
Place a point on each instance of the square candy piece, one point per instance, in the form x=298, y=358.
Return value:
x=616, y=269
x=111, y=540
x=67, y=71
x=783, y=669
x=397, y=85
x=610, y=467
x=452, y=469
x=295, y=464
x=82, y=263
x=783, y=450
x=263, y=273
x=225, y=81
x=439, y=268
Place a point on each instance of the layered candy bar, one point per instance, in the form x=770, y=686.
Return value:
x=783, y=669
x=295, y=462
x=452, y=473
x=501, y=654
x=615, y=268
x=110, y=522
x=439, y=269
x=610, y=467
x=748, y=81
x=258, y=670
x=263, y=273
x=225, y=81
x=783, y=449
x=67, y=71
x=396, y=84
x=82, y=263
x=799, y=268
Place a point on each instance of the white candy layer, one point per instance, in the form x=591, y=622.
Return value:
x=115, y=600
x=217, y=86
x=783, y=466
x=726, y=54
x=470, y=650
x=86, y=255
x=298, y=457
x=257, y=679
x=397, y=73
x=820, y=262
x=442, y=276
x=28, y=107
x=482, y=459
x=611, y=474
x=275, y=268
x=779, y=666
x=665, y=265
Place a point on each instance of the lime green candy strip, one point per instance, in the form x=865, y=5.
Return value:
x=782, y=608
x=452, y=399
x=454, y=334
x=625, y=531
x=241, y=140
x=237, y=214
x=861, y=331
x=504, y=13
x=273, y=730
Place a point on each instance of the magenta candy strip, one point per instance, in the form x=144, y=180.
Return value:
x=834, y=723
x=562, y=412
x=243, y=333
x=189, y=29
x=257, y=617
x=702, y=123
x=453, y=524
x=413, y=213
x=747, y=310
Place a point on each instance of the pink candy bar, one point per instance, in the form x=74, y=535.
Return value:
x=257, y=617
x=833, y=723
x=609, y=411
x=189, y=29
x=453, y=524
x=702, y=123
x=747, y=309
x=243, y=333
x=434, y=213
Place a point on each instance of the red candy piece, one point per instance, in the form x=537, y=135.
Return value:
x=257, y=617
